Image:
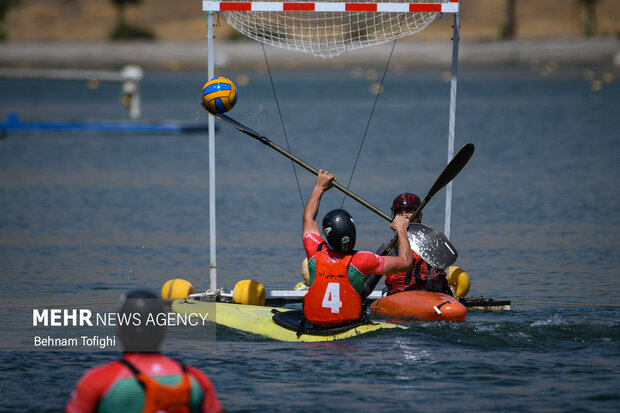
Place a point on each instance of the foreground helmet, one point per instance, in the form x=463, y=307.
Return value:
x=137, y=325
x=406, y=202
x=339, y=230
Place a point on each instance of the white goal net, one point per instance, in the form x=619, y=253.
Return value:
x=325, y=33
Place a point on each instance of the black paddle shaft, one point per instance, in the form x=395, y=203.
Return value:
x=242, y=128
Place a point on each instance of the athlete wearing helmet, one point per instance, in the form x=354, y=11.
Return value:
x=337, y=271
x=406, y=204
x=421, y=276
x=143, y=380
x=339, y=230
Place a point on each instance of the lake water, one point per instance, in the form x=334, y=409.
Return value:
x=88, y=216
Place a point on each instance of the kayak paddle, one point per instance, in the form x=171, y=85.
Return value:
x=430, y=244
x=452, y=169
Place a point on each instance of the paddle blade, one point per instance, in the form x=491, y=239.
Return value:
x=231, y=122
x=433, y=246
x=453, y=168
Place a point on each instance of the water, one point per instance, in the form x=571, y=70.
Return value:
x=86, y=217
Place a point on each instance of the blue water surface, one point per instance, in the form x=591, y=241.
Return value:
x=88, y=216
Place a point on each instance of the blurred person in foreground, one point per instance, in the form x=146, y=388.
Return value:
x=143, y=380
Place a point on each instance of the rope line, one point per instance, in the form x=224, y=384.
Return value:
x=562, y=303
x=372, y=111
x=288, y=146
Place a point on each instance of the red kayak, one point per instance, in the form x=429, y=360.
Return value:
x=423, y=305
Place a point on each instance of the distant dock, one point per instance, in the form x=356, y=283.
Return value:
x=14, y=124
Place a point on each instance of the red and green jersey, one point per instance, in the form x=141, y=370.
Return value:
x=113, y=387
x=336, y=282
x=361, y=266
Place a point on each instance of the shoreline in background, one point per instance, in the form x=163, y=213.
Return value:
x=247, y=54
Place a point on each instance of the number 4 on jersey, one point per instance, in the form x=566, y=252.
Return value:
x=331, y=299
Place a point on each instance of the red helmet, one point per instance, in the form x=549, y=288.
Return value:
x=406, y=201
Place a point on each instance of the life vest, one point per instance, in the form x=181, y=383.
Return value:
x=417, y=278
x=159, y=398
x=332, y=300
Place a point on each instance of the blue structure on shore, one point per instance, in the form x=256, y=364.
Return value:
x=15, y=124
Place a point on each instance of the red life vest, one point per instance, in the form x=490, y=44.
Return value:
x=332, y=300
x=159, y=397
x=416, y=278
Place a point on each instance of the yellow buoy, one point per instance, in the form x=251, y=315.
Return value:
x=249, y=292
x=302, y=286
x=305, y=273
x=176, y=288
x=459, y=281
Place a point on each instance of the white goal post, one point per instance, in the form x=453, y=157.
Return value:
x=326, y=29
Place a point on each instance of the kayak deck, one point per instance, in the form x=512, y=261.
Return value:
x=258, y=320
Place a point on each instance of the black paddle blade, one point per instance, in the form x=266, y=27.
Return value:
x=453, y=168
x=433, y=246
x=231, y=122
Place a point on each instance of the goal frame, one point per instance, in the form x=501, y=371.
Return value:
x=211, y=7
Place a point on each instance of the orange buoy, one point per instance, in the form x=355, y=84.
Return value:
x=423, y=305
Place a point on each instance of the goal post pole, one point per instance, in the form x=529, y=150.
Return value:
x=211, y=126
x=452, y=117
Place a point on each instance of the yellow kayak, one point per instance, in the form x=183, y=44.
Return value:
x=259, y=320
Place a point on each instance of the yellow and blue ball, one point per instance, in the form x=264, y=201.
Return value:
x=219, y=95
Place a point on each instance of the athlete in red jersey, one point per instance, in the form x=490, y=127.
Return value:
x=421, y=276
x=113, y=387
x=143, y=380
x=337, y=272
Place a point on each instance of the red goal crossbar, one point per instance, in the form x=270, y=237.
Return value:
x=279, y=6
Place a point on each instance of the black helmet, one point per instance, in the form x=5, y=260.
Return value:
x=135, y=329
x=339, y=230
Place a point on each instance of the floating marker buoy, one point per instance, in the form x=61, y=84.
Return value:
x=459, y=281
x=249, y=292
x=176, y=288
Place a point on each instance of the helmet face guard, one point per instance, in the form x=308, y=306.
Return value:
x=339, y=230
x=406, y=202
